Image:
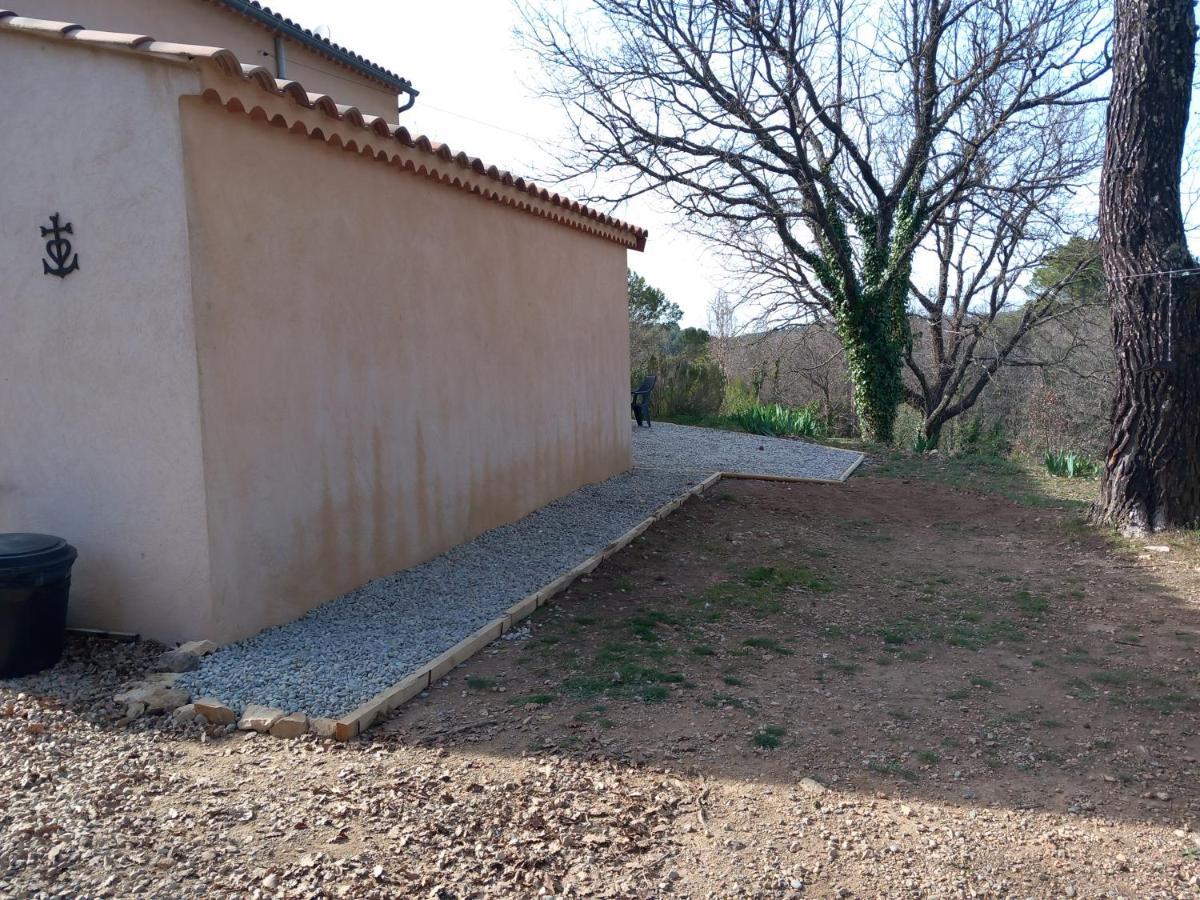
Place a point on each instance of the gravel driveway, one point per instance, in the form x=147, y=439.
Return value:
x=343, y=653
x=682, y=447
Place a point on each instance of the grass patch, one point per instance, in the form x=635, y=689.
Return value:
x=1030, y=605
x=479, y=683
x=1115, y=677
x=702, y=650
x=532, y=700
x=766, y=643
x=981, y=682
x=644, y=624
x=928, y=758
x=1081, y=689
x=768, y=736
x=1168, y=704
x=847, y=668
x=654, y=693
x=732, y=680
x=894, y=768
x=716, y=701
x=784, y=578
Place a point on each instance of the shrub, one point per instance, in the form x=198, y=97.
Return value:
x=1069, y=464
x=738, y=395
x=688, y=387
x=780, y=421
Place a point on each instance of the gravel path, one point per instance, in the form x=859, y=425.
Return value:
x=343, y=653
x=679, y=447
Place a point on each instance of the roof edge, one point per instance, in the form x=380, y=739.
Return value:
x=225, y=80
x=274, y=21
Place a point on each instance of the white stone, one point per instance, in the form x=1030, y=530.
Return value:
x=214, y=711
x=259, y=718
x=291, y=726
x=199, y=648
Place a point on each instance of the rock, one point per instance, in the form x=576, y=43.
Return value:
x=178, y=661
x=271, y=882
x=199, y=648
x=185, y=713
x=812, y=786
x=1158, y=548
x=135, y=710
x=259, y=718
x=291, y=726
x=323, y=727
x=155, y=697
x=214, y=711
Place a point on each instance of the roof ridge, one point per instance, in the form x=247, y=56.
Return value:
x=263, y=79
x=270, y=19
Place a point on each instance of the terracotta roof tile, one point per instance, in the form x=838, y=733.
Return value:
x=261, y=79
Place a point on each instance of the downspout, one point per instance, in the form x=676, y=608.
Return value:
x=280, y=57
x=412, y=99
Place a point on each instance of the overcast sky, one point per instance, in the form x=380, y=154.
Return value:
x=478, y=94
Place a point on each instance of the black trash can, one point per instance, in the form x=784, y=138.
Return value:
x=35, y=579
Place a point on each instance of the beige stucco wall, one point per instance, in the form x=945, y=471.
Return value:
x=99, y=424
x=204, y=22
x=388, y=366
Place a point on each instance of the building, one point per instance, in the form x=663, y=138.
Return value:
x=262, y=347
x=255, y=35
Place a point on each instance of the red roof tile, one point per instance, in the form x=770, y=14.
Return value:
x=263, y=80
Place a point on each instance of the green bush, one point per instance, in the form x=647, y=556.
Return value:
x=1069, y=464
x=738, y=394
x=687, y=387
x=780, y=421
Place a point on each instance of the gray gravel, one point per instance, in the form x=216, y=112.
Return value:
x=679, y=447
x=343, y=653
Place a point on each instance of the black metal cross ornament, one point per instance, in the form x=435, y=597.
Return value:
x=58, y=249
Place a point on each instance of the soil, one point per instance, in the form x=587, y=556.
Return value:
x=886, y=688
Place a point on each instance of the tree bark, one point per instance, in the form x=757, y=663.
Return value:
x=1152, y=471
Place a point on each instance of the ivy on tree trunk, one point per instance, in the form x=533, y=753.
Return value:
x=1152, y=470
x=870, y=310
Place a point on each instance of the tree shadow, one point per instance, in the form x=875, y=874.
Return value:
x=885, y=637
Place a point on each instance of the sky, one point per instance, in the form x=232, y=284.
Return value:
x=479, y=95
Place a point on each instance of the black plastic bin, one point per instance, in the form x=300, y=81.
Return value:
x=35, y=579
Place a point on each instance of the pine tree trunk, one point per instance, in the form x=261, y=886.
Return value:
x=1152, y=471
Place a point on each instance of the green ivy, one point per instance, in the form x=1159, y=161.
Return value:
x=872, y=323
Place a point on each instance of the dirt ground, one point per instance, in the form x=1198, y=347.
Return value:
x=889, y=688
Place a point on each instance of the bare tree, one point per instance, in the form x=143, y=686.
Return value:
x=1152, y=471
x=821, y=138
x=989, y=294
x=722, y=326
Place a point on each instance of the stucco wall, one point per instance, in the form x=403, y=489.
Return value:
x=99, y=424
x=388, y=366
x=203, y=22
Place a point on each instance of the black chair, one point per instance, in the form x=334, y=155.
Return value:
x=641, y=400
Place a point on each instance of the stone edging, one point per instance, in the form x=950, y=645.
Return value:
x=352, y=724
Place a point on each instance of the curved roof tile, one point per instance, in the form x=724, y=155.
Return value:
x=228, y=63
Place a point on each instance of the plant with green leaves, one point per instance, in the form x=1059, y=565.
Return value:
x=1069, y=464
x=777, y=420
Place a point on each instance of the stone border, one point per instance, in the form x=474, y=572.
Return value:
x=354, y=723
x=358, y=721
